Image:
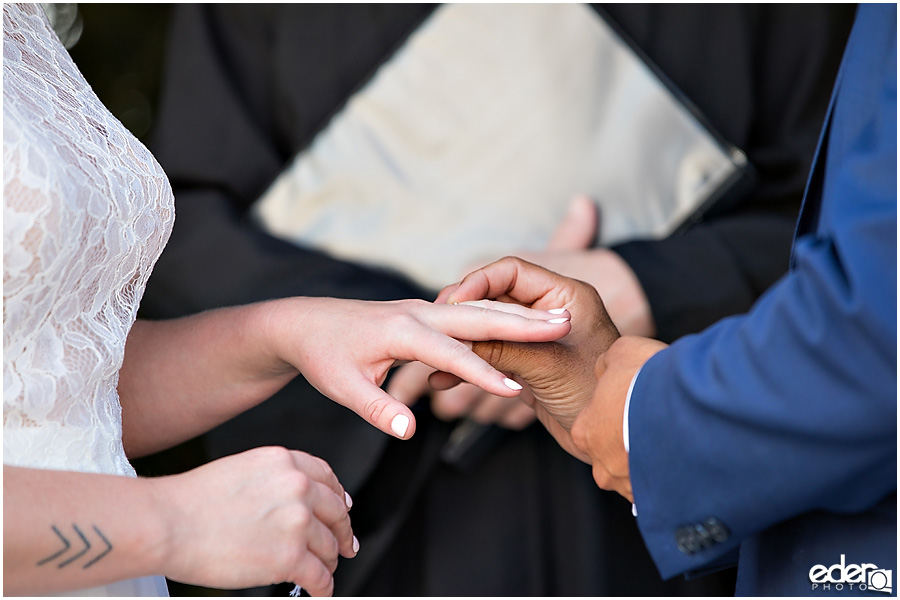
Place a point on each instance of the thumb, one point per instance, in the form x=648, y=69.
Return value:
x=378, y=407
x=578, y=228
x=531, y=361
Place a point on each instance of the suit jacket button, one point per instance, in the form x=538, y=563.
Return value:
x=716, y=530
x=690, y=539
x=686, y=540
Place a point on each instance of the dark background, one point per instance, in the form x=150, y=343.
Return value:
x=120, y=53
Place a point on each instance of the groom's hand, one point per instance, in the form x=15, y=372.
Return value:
x=560, y=374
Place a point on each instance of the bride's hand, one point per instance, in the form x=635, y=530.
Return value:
x=345, y=348
x=268, y=515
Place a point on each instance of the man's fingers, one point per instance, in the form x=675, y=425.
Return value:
x=454, y=403
x=530, y=361
x=514, y=278
x=445, y=293
x=578, y=229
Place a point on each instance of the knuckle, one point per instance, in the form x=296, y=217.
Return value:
x=600, y=364
x=274, y=454
x=491, y=351
x=297, y=518
x=322, y=465
x=374, y=409
x=331, y=556
x=297, y=484
x=399, y=322
x=512, y=260
x=602, y=477
x=413, y=304
x=323, y=581
x=579, y=435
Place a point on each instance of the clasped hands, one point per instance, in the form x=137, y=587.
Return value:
x=579, y=383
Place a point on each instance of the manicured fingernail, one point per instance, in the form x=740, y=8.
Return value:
x=399, y=425
x=556, y=311
x=355, y=544
x=348, y=500
x=559, y=320
x=512, y=384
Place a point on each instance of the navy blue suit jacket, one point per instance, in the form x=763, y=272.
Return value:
x=775, y=433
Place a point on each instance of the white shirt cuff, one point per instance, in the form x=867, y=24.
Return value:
x=625, y=424
x=625, y=412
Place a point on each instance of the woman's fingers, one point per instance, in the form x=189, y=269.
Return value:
x=321, y=542
x=330, y=504
x=433, y=348
x=497, y=321
x=447, y=354
x=317, y=469
x=512, y=308
x=330, y=510
x=313, y=576
x=377, y=407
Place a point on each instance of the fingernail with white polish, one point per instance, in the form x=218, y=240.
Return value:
x=559, y=320
x=355, y=544
x=399, y=425
x=348, y=500
x=556, y=311
x=512, y=384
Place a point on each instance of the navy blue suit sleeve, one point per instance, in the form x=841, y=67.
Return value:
x=791, y=408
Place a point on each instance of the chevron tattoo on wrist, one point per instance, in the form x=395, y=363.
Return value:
x=83, y=545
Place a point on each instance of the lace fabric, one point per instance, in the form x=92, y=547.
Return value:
x=87, y=211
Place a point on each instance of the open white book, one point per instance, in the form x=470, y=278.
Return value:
x=469, y=143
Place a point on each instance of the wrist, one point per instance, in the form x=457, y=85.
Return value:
x=273, y=328
x=160, y=524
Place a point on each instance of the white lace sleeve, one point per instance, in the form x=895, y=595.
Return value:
x=86, y=212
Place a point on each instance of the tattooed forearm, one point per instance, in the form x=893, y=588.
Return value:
x=83, y=546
